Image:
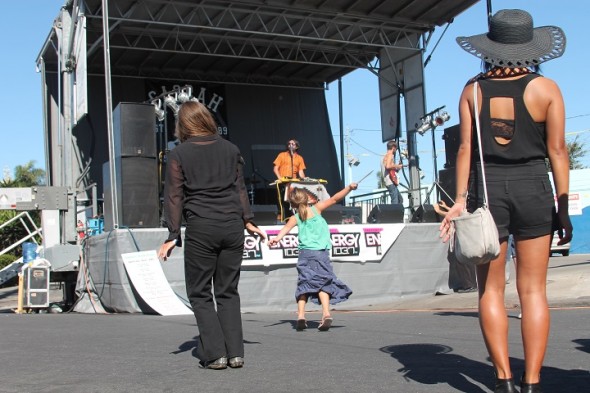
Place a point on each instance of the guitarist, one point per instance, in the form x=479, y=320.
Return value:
x=390, y=172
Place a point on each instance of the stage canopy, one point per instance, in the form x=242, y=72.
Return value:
x=304, y=43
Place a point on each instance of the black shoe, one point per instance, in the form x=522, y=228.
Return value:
x=505, y=386
x=530, y=387
x=236, y=362
x=301, y=325
x=218, y=364
x=325, y=325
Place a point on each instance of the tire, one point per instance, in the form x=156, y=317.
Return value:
x=565, y=253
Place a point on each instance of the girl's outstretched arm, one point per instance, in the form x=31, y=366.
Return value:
x=284, y=230
x=336, y=197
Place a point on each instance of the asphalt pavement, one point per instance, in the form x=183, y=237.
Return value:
x=429, y=344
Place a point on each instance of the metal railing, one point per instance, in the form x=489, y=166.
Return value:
x=31, y=228
x=371, y=199
x=368, y=201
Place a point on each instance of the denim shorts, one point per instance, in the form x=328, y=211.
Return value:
x=520, y=198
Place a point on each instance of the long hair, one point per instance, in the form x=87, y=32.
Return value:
x=194, y=119
x=298, y=199
x=297, y=145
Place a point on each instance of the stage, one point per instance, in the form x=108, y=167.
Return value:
x=380, y=262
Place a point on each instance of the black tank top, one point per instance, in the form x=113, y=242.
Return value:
x=527, y=137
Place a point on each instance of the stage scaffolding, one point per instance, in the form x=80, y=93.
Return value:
x=263, y=44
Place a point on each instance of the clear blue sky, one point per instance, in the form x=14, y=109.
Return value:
x=26, y=24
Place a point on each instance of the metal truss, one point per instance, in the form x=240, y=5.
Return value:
x=248, y=31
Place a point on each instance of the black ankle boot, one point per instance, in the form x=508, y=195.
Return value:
x=530, y=387
x=505, y=386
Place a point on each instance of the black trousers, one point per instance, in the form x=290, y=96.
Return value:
x=213, y=255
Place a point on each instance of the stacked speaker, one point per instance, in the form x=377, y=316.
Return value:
x=264, y=214
x=338, y=214
x=136, y=168
x=383, y=214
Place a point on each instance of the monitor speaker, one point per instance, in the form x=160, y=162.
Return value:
x=446, y=180
x=137, y=193
x=134, y=128
x=264, y=214
x=426, y=213
x=452, y=138
x=338, y=214
x=386, y=214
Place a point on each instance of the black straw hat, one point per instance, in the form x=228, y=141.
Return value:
x=513, y=42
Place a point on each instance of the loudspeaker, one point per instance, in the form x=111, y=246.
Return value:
x=134, y=127
x=426, y=213
x=264, y=214
x=452, y=138
x=338, y=214
x=447, y=181
x=137, y=193
x=264, y=196
x=383, y=214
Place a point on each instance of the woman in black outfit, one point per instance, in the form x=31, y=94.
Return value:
x=204, y=181
x=522, y=121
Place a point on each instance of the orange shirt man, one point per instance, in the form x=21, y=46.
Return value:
x=289, y=163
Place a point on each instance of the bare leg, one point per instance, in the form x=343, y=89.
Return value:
x=325, y=302
x=531, y=282
x=301, y=301
x=493, y=320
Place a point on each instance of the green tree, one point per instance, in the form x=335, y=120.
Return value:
x=24, y=176
x=576, y=151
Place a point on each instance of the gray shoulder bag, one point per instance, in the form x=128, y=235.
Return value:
x=476, y=240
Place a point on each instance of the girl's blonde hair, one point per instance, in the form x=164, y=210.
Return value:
x=299, y=199
x=194, y=119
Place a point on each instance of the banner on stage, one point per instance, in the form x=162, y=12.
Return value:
x=148, y=279
x=350, y=243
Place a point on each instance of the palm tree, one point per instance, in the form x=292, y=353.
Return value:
x=576, y=151
x=25, y=176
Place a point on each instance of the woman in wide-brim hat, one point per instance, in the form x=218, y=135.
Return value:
x=522, y=120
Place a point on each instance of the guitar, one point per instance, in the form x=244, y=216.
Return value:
x=393, y=176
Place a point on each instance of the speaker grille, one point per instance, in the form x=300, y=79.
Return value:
x=134, y=130
x=338, y=214
x=425, y=213
x=384, y=214
x=264, y=214
x=137, y=192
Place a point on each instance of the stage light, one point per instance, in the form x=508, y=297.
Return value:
x=160, y=112
x=185, y=94
x=353, y=161
x=441, y=118
x=432, y=120
x=171, y=103
x=425, y=126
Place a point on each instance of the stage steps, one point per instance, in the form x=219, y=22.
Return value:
x=11, y=271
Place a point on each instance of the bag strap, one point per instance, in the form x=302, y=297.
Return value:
x=483, y=172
